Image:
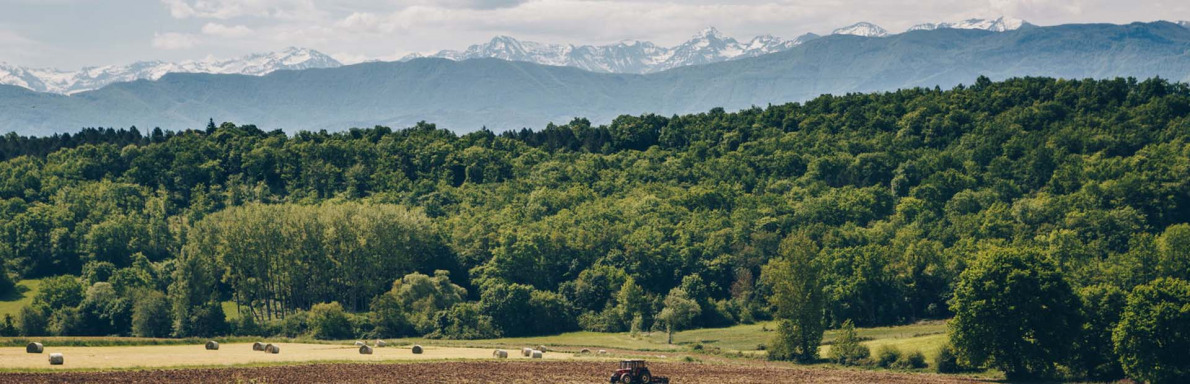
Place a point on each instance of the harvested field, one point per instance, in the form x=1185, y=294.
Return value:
x=485, y=372
x=162, y=356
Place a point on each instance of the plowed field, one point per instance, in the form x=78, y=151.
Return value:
x=482, y=372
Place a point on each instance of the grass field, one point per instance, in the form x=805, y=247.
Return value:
x=11, y=304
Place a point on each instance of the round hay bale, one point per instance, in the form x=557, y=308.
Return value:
x=500, y=354
x=359, y=343
x=381, y=343
x=365, y=350
x=34, y=348
x=542, y=348
x=258, y=346
x=56, y=359
x=536, y=354
x=585, y=351
x=602, y=352
x=212, y=345
x=417, y=350
x=526, y=352
x=273, y=349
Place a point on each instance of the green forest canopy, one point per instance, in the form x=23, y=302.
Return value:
x=579, y=226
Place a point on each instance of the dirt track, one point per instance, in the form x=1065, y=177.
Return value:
x=481, y=372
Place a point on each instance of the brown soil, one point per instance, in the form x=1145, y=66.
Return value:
x=483, y=372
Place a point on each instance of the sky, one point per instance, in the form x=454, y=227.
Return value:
x=70, y=34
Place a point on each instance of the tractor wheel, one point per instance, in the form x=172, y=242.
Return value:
x=626, y=379
x=646, y=378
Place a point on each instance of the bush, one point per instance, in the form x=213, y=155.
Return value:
x=150, y=315
x=912, y=360
x=1152, y=338
x=9, y=327
x=947, y=361
x=60, y=292
x=847, y=349
x=464, y=321
x=887, y=356
x=295, y=324
x=328, y=321
x=33, y=321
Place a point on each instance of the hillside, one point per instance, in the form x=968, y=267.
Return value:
x=465, y=96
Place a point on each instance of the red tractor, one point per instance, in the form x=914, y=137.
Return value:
x=636, y=372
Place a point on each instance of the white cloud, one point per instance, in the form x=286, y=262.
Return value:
x=229, y=9
x=226, y=31
x=174, y=41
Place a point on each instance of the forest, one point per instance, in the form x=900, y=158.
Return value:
x=888, y=208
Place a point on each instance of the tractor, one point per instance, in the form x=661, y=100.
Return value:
x=636, y=372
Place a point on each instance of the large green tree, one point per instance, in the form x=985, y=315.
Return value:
x=1014, y=311
x=797, y=299
x=1152, y=337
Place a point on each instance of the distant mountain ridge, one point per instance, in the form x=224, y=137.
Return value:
x=70, y=82
x=500, y=94
x=708, y=46
x=636, y=57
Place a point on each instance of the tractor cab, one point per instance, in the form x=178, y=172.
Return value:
x=632, y=372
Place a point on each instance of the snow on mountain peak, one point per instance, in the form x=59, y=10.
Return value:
x=864, y=29
x=1184, y=23
x=1001, y=24
x=70, y=82
x=707, y=46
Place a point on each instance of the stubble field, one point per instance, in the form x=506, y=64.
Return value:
x=568, y=372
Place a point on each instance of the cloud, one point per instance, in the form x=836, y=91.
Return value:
x=462, y=4
x=232, y=32
x=229, y=9
x=174, y=41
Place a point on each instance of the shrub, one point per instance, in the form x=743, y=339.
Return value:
x=32, y=321
x=1095, y=357
x=295, y=324
x=887, y=356
x=947, y=361
x=8, y=328
x=912, y=360
x=464, y=321
x=1152, y=338
x=60, y=292
x=328, y=321
x=847, y=349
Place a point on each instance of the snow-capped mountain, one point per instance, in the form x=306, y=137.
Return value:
x=1184, y=23
x=864, y=29
x=69, y=82
x=708, y=46
x=1002, y=24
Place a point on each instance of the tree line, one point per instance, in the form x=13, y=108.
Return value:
x=879, y=204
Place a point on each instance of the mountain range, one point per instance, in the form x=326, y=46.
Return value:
x=708, y=46
x=500, y=94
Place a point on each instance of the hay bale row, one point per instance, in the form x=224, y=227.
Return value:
x=258, y=346
x=365, y=350
x=417, y=349
x=56, y=359
x=500, y=354
x=537, y=354
x=34, y=348
x=273, y=349
x=212, y=345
